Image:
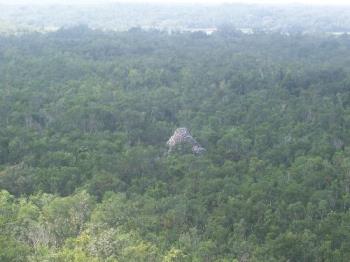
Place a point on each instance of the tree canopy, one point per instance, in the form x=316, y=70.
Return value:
x=84, y=118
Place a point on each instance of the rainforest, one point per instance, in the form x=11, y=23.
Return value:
x=85, y=172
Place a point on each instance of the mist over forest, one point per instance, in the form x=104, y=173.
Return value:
x=292, y=18
x=174, y=133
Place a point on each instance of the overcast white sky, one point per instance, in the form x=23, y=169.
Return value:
x=318, y=2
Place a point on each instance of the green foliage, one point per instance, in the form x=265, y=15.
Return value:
x=12, y=250
x=84, y=171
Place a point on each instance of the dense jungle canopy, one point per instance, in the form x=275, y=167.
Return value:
x=84, y=118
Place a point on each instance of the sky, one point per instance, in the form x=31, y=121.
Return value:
x=317, y=2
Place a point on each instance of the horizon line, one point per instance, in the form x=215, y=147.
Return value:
x=173, y=3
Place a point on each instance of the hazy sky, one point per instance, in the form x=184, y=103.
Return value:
x=322, y=2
